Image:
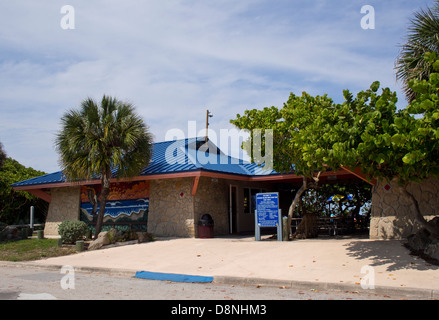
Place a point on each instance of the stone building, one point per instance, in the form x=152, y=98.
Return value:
x=188, y=178
x=393, y=215
x=185, y=179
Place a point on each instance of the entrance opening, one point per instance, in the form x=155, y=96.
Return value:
x=232, y=210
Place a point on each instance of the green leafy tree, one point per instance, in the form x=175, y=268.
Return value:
x=387, y=143
x=366, y=132
x=100, y=140
x=422, y=37
x=404, y=145
x=298, y=145
x=14, y=205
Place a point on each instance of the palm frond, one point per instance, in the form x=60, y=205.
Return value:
x=99, y=138
x=422, y=37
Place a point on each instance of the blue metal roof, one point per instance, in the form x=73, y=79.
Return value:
x=176, y=157
x=56, y=177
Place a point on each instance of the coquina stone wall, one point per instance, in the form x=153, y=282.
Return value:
x=393, y=214
x=64, y=206
x=174, y=212
x=212, y=198
x=171, y=209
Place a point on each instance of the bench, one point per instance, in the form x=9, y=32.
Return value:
x=330, y=225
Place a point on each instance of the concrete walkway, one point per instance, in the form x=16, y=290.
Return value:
x=331, y=263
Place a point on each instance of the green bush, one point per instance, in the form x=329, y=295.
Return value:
x=72, y=230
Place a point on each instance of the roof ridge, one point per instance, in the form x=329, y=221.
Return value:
x=187, y=151
x=174, y=140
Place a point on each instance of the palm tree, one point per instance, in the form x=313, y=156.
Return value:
x=422, y=37
x=102, y=141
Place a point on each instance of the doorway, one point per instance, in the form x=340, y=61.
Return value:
x=233, y=227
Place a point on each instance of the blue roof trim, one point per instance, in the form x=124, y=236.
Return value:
x=177, y=156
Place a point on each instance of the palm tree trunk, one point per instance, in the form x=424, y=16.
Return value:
x=93, y=199
x=105, y=181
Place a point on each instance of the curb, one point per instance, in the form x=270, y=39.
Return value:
x=55, y=267
x=407, y=292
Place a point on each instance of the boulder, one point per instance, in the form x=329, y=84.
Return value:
x=432, y=250
x=423, y=243
x=11, y=233
x=101, y=241
x=419, y=240
x=114, y=235
x=143, y=237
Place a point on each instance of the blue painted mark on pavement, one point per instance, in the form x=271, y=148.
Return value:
x=171, y=277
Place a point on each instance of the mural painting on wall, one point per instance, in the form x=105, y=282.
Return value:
x=127, y=201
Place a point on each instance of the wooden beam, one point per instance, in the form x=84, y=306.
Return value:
x=193, y=174
x=41, y=194
x=195, y=185
x=358, y=173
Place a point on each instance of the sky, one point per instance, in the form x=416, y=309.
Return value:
x=174, y=59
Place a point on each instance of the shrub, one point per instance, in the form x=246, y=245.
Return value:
x=72, y=230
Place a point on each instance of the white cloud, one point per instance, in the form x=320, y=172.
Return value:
x=175, y=59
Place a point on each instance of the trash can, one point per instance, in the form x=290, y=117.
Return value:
x=205, y=226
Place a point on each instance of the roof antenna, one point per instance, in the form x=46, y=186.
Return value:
x=208, y=115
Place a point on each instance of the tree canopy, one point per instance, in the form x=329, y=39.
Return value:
x=312, y=134
x=297, y=141
x=14, y=205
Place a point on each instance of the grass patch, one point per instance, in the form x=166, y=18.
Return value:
x=32, y=249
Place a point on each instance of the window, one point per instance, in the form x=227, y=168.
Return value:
x=247, y=200
x=253, y=199
x=250, y=199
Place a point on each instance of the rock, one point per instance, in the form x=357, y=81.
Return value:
x=434, y=222
x=419, y=241
x=114, y=235
x=101, y=241
x=423, y=243
x=143, y=237
x=432, y=250
x=11, y=233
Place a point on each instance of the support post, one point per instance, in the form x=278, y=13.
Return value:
x=279, y=227
x=285, y=229
x=257, y=228
x=31, y=220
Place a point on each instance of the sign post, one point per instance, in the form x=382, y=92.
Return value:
x=268, y=214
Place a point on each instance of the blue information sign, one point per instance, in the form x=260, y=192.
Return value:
x=267, y=209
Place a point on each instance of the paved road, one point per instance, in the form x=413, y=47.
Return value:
x=340, y=261
x=30, y=283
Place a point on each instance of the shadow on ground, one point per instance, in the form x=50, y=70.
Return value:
x=392, y=253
